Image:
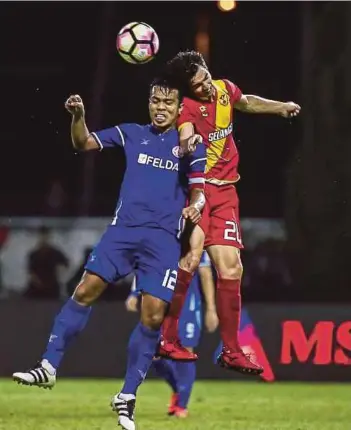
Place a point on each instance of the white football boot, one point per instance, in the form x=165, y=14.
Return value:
x=43, y=375
x=123, y=405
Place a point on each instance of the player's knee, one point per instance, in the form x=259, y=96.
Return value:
x=82, y=295
x=88, y=290
x=153, y=311
x=234, y=271
x=153, y=321
x=190, y=262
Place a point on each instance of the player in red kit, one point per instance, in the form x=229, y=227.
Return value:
x=208, y=110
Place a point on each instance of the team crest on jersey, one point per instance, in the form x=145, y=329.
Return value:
x=224, y=99
x=203, y=110
x=176, y=151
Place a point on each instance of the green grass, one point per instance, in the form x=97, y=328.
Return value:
x=84, y=405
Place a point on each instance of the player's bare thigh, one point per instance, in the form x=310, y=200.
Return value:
x=89, y=289
x=226, y=260
x=193, y=241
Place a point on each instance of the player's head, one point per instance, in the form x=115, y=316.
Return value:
x=165, y=102
x=191, y=69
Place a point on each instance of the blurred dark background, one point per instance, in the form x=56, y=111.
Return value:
x=52, y=50
x=296, y=171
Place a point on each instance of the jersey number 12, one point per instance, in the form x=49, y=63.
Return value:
x=170, y=279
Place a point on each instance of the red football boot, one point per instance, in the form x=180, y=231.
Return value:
x=173, y=350
x=181, y=412
x=172, y=407
x=239, y=362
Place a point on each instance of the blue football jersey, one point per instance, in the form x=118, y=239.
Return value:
x=156, y=182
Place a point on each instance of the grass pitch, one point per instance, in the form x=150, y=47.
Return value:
x=84, y=405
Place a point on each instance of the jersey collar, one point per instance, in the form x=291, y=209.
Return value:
x=156, y=131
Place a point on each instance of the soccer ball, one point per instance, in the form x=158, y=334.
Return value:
x=137, y=43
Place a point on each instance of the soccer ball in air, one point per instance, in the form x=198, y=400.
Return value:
x=137, y=43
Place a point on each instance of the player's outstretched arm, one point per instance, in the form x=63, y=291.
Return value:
x=81, y=138
x=256, y=104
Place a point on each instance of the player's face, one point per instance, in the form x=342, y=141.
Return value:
x=164, y=107
x=201, y=84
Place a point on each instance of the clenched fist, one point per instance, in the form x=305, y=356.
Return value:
x=188, y=146
x=192, y=213
x=290, y=109
x=132, y=304
x=74, y=105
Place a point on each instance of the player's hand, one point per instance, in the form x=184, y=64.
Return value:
x=132, y=304
x=74, y=105
x=211, y=320
x=290, y=109
x=193, y=141
x=188, y=146
x=192, y=213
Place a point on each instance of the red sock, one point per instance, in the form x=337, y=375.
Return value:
x=170, y=324
x=228, y=308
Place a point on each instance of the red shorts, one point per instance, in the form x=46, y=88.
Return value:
x=220, y=216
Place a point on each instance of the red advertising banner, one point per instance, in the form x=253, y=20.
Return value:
x=326, y=344
x=305, y=342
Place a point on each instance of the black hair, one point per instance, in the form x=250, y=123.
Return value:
x=168, y=82
x=184, y=66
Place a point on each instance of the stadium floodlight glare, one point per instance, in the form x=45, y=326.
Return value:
x=226, y=5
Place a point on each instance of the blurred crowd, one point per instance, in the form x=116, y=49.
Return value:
x=266, y=271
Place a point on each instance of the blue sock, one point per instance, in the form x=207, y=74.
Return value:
x=70, y=321
x=186, y=373
x=166, y=369
x=141, y=350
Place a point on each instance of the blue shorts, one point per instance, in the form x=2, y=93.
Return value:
x=151, y=253
x=190, y=322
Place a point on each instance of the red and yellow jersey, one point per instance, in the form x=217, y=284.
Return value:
x=214, y=122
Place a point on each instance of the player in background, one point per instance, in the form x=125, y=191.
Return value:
x=181, y=375
x=143, y=236
x=208, y=110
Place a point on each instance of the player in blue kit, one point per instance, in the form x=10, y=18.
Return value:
x=199, y=305
x=143, y=236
